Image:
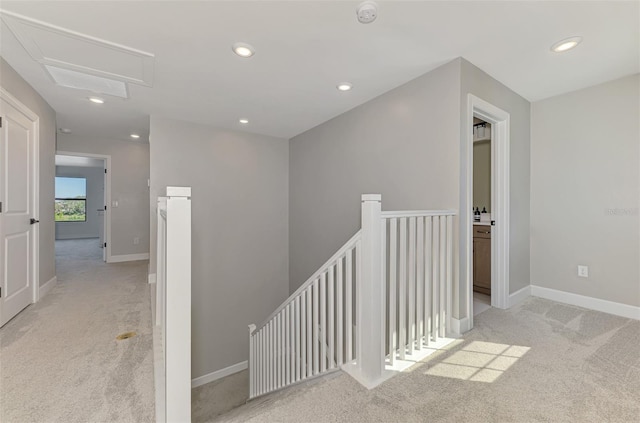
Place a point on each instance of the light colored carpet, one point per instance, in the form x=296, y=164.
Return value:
x=216, y=398
x=60, y=359
x=540, y=361
x=481, y=303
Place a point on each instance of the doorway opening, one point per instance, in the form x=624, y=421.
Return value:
x=82, y=215
x=484, y=244
x=482, y=217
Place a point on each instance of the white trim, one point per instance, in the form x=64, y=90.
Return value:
x=151, y=278
x=459, y=326
x=605, y=306
x=500, y=124
x=159, y=375
x=47, y=287
x=128, y=257
x=35, y=232
x=519, y=296
x=219, y=374
x=106, y=230
x=417, y=213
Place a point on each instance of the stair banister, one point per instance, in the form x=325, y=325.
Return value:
x=315, y=331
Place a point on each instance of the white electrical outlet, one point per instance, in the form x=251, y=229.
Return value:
x=136, y=241
x=583, y=271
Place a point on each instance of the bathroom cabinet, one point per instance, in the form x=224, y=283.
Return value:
x=482, y=259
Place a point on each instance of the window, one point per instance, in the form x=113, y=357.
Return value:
x=71, y=199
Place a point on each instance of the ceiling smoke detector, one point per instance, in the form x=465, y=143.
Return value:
x=367, y=12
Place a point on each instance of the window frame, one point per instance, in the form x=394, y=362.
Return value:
x=72, y=199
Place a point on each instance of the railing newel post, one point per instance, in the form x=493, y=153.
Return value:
x=370, y=307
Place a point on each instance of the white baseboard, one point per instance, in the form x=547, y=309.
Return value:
x=128, y=257
x=619, y=309
x=219, y=374
x=519, y=296
x=460, y=326
x=47, y=287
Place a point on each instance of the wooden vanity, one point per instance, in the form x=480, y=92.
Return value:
x=482, y=258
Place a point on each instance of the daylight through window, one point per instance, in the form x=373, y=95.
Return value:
x=71, y=199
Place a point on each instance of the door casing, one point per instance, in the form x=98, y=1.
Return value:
x=106, y=222
x=500, y=133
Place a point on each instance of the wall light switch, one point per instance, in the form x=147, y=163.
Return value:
x=583, y=271
x=114, y=203
x=136, y=240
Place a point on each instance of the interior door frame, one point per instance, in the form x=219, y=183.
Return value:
x=35, y=188
x=106, y=222
x=500, y=165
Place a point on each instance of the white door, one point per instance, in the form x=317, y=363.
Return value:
x=17, y=185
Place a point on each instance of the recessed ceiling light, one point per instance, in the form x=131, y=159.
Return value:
x=566, y=44
x=135, y=136
x=243, y=50
x=244, y=121
x=344, y=86
x=96, y=100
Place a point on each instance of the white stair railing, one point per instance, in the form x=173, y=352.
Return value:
x=173, y=307
x=311, y=333
x=391, y=281
x=418, y=275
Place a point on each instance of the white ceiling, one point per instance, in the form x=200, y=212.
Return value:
x=304, y=48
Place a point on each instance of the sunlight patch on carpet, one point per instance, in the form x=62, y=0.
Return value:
x=479, y=362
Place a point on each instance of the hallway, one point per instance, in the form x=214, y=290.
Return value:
x=60, y=357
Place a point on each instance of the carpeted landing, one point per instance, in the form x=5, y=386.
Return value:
x=60, y=360
x=540, y=361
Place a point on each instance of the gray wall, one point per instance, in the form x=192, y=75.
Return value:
x=129, y=177
x=240, y=233
x=403, y=144
x=18, y=87
x=585, y=155
x=482, y=175
x=90, y=228
x=475, y=81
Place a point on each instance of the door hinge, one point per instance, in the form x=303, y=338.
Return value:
x=105, y=207
x=0, y=121
x=0, y=206
x=105, y=171
x=0, y=291
x=105, y=244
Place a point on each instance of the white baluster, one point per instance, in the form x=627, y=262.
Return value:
x=286, y=352
x=323, y=322
x=443, y=275
x=412, y=284
x=393, y=251
x=331, y=317
x=309, y=336
x=304, y=316
x=252, y=362
x=420, y=281
x=349, y=305
x=340, y=308
x=449, y=270
x=316, y=337
x=402, y=294
x=297, y=327
x=428, y=286
x=436, y=277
